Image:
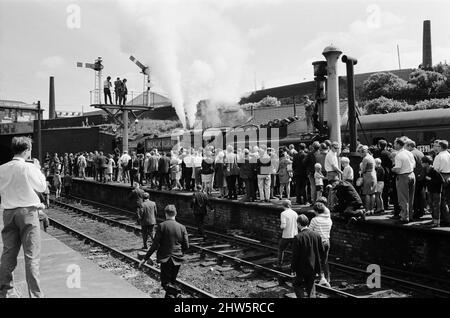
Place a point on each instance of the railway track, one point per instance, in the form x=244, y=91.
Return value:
x=153, y=271
x=420, y=284
x=243, y=255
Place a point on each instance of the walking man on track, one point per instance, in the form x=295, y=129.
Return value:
x=200, y=205
x=171, y=241
x=137, y=196
x=147, y=217
x=18, y=182
x=307, y=256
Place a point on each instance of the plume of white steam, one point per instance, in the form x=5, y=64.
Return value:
x=194, y=51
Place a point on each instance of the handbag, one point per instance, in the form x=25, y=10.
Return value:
x=359, y=182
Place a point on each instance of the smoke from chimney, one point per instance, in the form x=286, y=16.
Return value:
x=426, y=52
x=51, y=99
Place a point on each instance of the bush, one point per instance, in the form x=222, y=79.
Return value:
x=433, y=104
x=383, y=105
x=382, y=84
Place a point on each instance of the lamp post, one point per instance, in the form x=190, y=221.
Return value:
x=332, y=54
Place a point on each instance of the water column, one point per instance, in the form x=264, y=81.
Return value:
x=332, y=54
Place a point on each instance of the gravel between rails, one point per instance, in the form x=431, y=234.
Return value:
x=225, y=284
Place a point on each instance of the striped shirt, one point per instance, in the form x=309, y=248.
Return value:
x=322, y=225
x=289, y=223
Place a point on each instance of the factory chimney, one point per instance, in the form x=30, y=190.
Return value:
x=51, y=99
x=426, y=50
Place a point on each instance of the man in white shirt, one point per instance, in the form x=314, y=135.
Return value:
x=332, y=164
x=442, y=164
x=106, y=89
x=290, y=230
x=18, y=182
x=123, y=163
x=405, y=183
x=82, y=166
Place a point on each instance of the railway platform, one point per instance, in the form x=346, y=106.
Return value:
x=414, y=247
x=59, y=264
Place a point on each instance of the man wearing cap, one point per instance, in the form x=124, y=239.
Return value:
x=331, y=162
x=307, y=257
x=147, y=218
x=289, y=226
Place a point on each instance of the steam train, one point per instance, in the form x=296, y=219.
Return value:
x=422, y=126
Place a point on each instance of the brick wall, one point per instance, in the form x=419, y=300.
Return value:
x=423, y=251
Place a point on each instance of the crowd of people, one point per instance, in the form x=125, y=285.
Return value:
x=320, y=175
x=395, y=174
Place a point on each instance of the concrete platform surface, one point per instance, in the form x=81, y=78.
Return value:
x=58, y=268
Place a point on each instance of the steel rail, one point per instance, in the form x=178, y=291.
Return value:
x=218, y=254
x=264, y=246
x=188, y=287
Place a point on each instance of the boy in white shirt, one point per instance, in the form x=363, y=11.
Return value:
x=347, y=170
x=318, y=179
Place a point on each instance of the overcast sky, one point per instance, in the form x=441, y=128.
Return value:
x=262, y=42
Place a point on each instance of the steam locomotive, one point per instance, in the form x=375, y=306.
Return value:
x=423, y=126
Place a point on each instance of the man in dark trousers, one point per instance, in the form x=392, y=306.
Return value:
x=171, y=241
x=137, y=195
x=300, y=175
x=163, y=170
x=307, y=255
x=102, y=165
x=147, y=217
x=200, y=204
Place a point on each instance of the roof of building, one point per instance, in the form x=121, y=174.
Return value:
x=15, y=104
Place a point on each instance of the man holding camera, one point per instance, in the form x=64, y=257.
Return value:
x=18, y=182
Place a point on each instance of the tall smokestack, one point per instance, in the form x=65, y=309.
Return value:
x=51, y=99
x=426, y=51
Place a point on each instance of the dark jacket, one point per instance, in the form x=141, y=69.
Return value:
x=247, y=170
x=307, y=253
x=200, y=202
x=207, y=168
x=347, y=196
x=435, y=184
x=170, y=242
x=418, y=170
x=102, y=162
x=309, y=162
x=138, y=196
x=147, y=213
x=164, y=164
x=298, y=164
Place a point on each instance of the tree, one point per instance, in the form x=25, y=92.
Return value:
x=382, y=84
x=428, y=81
